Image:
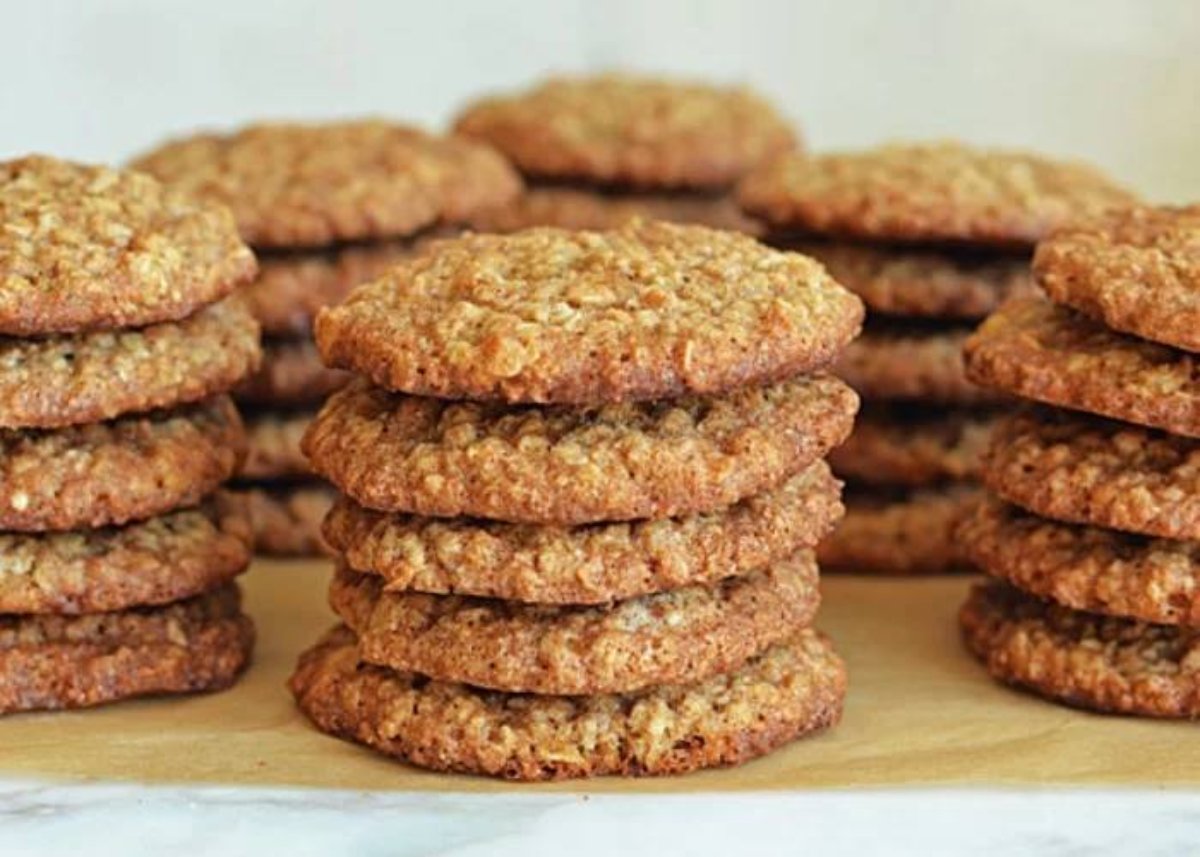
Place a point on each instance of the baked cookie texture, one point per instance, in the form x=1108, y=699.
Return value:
x=681, y=636
x=273, y=438
x=291, y=376
x=792, y=689
x=589, y=564
x=87, y=248
x=929, y=192
x=646, y=311
x=909, y=446
x=1102, y=663
x=1136, y=270
x=295, y=185
x=286, y=517
x=571, y=466
x=626, y=130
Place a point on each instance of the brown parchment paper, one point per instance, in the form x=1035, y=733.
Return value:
x=920, y=712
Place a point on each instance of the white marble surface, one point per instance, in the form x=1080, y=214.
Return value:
x=97, y=820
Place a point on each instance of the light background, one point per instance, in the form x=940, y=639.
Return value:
x=1114, y=81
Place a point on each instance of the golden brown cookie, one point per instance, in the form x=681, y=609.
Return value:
x=274, y=439
x=929, y=192
x=898, y=532
x=1118, y=666
x=1089, y=470
x=293, y=185
x=54, y=662
x=1048, y=353
x=164, y=559
x=291, y=375
x=1086, y=568
x=87, y=248
x=71, y=380
x=589, y=208
x=287, y=518
x=678, y=637
x=112, y=473
x=958, y=284
x=1137, y=270
x=570, y=466
x=593, y=564
x=646, y=311
x=913, y=446
x=897, y=362
x=791, y=690
x=641, y=131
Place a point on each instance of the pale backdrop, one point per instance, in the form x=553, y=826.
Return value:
x=1116, y=81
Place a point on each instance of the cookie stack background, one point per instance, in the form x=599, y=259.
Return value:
x=118, y=550
x=582, y=478
x=599, y=151
x=326, y=207
x=932, y=237
x=1090, y=527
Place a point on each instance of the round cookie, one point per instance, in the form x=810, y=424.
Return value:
x=678, y=637
x=293, y=185
x=164, y=559
x=594, y=564
x=589, y=208
x=112, y=473
x=55, y=662
x=947, y=283
x=71, y=380
x=87, y=248
x=1035, y=349
x=274, y=439
x=791, y=690
x=287, y=518
x=928, y=192
x=291, y=375
x=1089, y=470
x=1137, y=270
x=897, y=362
x=646, y=311
x=1102, y=663
x=913, y=446
x=570, y=466
x=899, y=532
x=1086, y=568
x=640, y=131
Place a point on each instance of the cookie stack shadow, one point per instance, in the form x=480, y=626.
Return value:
x=121, y=339
x=581, y=481
x=1090, y=528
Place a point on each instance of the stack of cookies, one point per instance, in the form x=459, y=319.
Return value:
x=600, y=151
x=120, y=340
x=1091, y=527
x=582, y=478
x=932, y=238
x=326, y=207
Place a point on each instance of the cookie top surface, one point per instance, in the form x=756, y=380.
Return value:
x=1089, y=470
x=1086, y=568
x=790, y=690
x=585, y=565
x=1083, y=659
x=956, y=285
x=929, y=192
x=646, y=132
x=297, y=185
x=87, y=248
x=1137, y=270
x=1035, y=349
x=111, y=473
x=571, y=466
x=89, y=377
x=164, y=559
x=273, y=439
x=646, y=311
x=291, y=375
x=679, y=637
x=287, y=518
